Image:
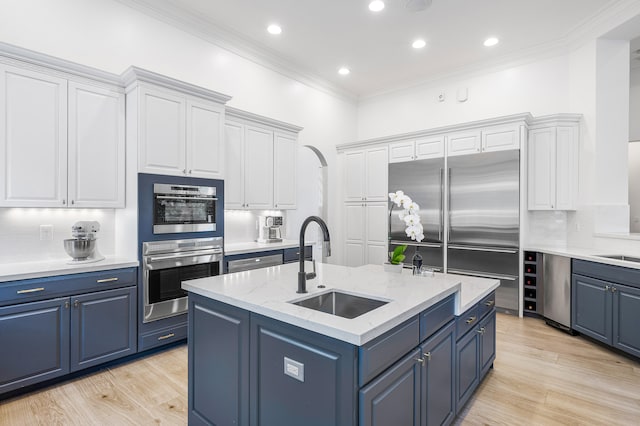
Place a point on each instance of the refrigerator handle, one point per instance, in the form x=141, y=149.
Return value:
x=449, y=204
x=441, y=204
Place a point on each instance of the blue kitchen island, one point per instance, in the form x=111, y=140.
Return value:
x=258, y=358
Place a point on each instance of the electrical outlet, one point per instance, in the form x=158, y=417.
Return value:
x=46, y=232
x=441, y=97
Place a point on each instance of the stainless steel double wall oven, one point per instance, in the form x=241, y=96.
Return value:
x=180, y=237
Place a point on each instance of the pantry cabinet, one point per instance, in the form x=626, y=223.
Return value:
x=179, y=127
x=366, y=233
x=366, y=174
x=63, y=141
x=553, y=164
x=261, y=156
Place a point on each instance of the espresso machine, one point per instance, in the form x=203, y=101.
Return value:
x=83, y=246
x=269, y=229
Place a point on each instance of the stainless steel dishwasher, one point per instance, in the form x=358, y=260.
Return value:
x=556, y=281
x=254, y=263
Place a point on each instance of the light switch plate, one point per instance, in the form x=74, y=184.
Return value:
x=294, y=369
x=46, y=232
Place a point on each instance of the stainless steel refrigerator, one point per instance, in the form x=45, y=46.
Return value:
x=483, y=193
x=423, y=181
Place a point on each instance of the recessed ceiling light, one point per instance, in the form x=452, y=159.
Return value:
x=491, y=41
x=376, y=5
x=419, y=44
x=344, y=71
x=274, y=29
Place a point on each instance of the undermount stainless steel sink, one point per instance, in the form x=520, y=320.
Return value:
x=620, y=257
x=340, y=304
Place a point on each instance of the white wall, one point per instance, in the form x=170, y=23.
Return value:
x=110, y=36
x=634, y=104
x=634, y=186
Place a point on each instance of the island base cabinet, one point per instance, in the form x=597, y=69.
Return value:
x=438, y=380
x=104, y=327
x=219, y=352
x=300, y=377
x=394, y=397
x=35, y=342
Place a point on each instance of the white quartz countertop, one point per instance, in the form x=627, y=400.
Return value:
x=254, y=246
x=590, y=254
x=49, y=268
x=268, y=291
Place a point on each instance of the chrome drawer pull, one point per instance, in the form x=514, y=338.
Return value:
x=420, y=360
x=107, y=280
x=427, y=355
x=490, y=303
x=31, y=290
x=166, y=336
x=470, y=320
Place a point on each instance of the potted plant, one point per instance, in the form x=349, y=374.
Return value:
x=414, y=230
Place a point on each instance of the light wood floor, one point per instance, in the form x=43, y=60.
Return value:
x=541, y=377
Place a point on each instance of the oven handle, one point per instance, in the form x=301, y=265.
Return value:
x=176, y=197
x=151, y=259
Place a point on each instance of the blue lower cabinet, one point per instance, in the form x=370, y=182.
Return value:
x=300, y=377
x=219, y=353
x=103, y=327
x=591, y=308
x=35, y=343
x=626, y=317
x=487, y=331
x=393, y=398
x=438, y=404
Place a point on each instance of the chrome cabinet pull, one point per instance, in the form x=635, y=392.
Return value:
x=427, y=355
x=107, y=280
x=64, y=202
x=481, y=331
x=31, y=290
x=613, y=289
x=166, y=336
x=470, y=320
x=420, y=360
x=76, y=304
x=490, y=303
x=66, y=304
x=606, y=288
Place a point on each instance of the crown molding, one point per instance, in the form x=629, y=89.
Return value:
x=245, y=116
x=25, y=58
x=554, y=120
x=134, y=75
x=522, y=118
x=170, y=13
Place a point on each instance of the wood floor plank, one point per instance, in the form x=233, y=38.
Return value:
x=541, y=376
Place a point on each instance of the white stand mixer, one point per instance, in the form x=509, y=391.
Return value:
x=83, y=246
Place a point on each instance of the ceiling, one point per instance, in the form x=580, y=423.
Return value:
x=318, y=37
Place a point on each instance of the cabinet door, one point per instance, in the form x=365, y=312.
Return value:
x=467, y=368
x=33, y=144
x=205, y=140
x=438, y=378
x=487, y=328
x=103, y=327
x=354, y=169
x=500, y=138
x=566, y=174
x=162, y=134
x=35, y=342
x=591, y=307
x=376, y=231
x=284, y=173
x=354, y=253
x=354, y=234
x=376, y=174
x=96, y=147
x=400, y=152
x=626, y=317
x=219, y=353
x=431, y=147
x=393, y=398
x=258, y=168
x=234, y=170
x=463, y=143
x=541, y=179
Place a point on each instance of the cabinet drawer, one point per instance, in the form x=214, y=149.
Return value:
x=293, y=254
x=435, y=317
x=467, y=321
x=383, y=351
x=64, y=285
x=486, y=305
x=163, y=337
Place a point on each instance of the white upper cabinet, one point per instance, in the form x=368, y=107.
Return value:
x=553, y=165
x=62, y=141
x=493, y=138
x=285, y=158
x=366, y=233
x=366, y=173
x=179, y=127
x=416, y=149
x=96, y=147
x=260, y=157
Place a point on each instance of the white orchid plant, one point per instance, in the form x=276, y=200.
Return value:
x=410, y=215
